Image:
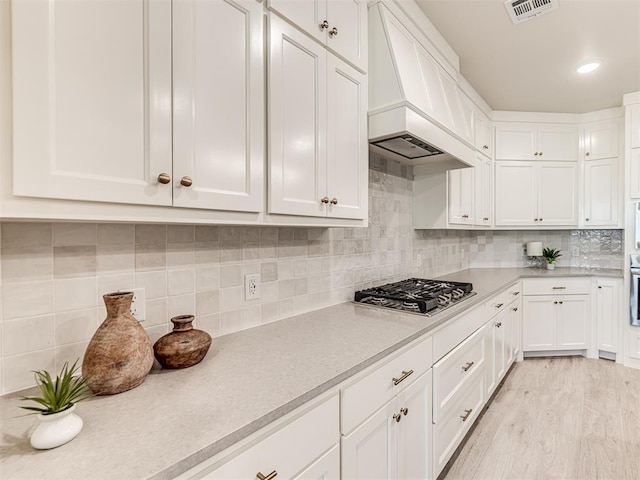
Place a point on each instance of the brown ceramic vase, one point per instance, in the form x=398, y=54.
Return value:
x=119, y=355
x=184, y=346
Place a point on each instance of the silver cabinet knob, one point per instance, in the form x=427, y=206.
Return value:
x=164, y=178
x=586, y=219
x=404, y=411
x=540, y=153
x=324, y=200
x=186, y=181
x=397, y=417
x=333, y=32
x=587, y=154
x=536, y=154
x=324, y=25
x=334, y=201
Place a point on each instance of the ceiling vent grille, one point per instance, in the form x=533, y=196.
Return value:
x=522, y=10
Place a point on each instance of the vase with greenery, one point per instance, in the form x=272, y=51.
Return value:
x=551, y=255
x=58, y=424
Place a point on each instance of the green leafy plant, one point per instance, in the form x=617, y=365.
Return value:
x=59, y=394
x=551, y=254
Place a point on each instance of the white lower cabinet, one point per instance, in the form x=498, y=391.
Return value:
x=291, y=452
x=556, y=314
x=607, y=313
x=394, y=442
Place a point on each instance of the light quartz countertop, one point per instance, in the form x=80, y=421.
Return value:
x=178, y=418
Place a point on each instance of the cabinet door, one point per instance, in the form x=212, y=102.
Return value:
x=92, y=107
x=558, y=142
x=607, y=301
x=347, y=32
x=558, y=194
x=515, y=332
x=516, y=142
x=539, y=323
x=501, y=340
x=634, y=172
x=297, y=122
x=601, y=192
x=633, y=120
x=347, y=146
x=326, y=467
x=601, y=140
x=490, y=378
x=484, y=137
x=218, y=120
x=308, y=15
x=460, y=206
x=371, y=451
x=415, y=429
x=573, y=322
x=516, y=194
x=483, y=207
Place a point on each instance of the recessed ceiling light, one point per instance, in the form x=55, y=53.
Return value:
x=588, y=67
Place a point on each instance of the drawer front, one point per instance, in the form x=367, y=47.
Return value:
x=288, y=450
x=456, y=422
x=556, y=286
x=460, y=328
x=456, y=369
x=389, y=377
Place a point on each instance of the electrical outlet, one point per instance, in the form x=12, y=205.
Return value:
x=138, y=304
x=252, y=286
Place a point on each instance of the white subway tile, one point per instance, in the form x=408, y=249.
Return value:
x=18, y=369
x=69, y=353
x=27, y=299
x=231, y=298
x=157, y=313
x=230, y=275
x=26, y=264
x=230, y=322
x=28, y=334
x=27, y=234
x=210, y=324
x=154, y=283
x=180, y=282
x=76, y=326
x=115, y=258
x=115, y=233
x=74, y=234
x=208, y=278
x=75, y=293
x=74, y=261
x=251, y=317
x=182, y=305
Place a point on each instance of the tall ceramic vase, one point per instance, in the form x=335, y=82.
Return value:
x=120, y=354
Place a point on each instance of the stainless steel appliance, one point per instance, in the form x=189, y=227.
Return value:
x=416, y=295
x=635, y=289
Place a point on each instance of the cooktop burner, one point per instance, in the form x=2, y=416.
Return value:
x=416, y=295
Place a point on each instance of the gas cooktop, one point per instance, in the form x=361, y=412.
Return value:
x=416, y=295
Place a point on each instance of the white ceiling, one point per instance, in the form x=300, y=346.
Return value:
x=531, y=66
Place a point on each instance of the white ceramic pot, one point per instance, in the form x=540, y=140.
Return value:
x=56, y=429
x=550, y=266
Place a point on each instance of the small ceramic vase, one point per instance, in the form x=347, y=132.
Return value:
x=56, y=429
x=184, y=346
x=550, y=266
x=119, y=355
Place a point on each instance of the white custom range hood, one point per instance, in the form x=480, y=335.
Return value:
x=417, y=115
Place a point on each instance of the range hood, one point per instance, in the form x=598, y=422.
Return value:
x=416, y=111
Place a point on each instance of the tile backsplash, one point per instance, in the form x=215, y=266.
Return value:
x=53, y=275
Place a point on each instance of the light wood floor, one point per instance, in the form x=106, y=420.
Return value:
x=558, y=418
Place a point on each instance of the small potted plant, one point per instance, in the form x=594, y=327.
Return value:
x=550, y=255
x=56, y=404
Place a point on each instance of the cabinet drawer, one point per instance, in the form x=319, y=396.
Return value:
x=288, y=450
x=460, y=328
x=556, y=286
x=456, y=369
x=387, y=378
x=456, y=421
x=499, y=302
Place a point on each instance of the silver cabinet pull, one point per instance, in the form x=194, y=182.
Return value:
x=186, y=181
x=536, y=154
x=397, y=417
x=560, y=303
x=334, y=201
x=324, y=200
x=164, y=178
x=324, y=25
x=404, y=411
x=467, y=366
x=516, y=293
x=586, y=219
x=515, y=309
x=267, y=477
x=486, y=219
x=587, y=154
x=541, y=217
x=333, y=32
x=405, y=374
x=466, y=414
x=499, y=305
x=559, y=288
x=498, y=324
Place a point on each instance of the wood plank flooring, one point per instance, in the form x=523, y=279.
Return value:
x=558, y=418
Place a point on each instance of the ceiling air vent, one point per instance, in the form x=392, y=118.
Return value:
x=522, y=10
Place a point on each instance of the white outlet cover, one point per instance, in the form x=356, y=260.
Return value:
x=252, y=287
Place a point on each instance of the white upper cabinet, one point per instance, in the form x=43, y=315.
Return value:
x=92, y=100
x=601, y=193
x=461, y=196
x=341, y=25
x=483, y=207
x=94, y=106
x=633, y=120
x=601, y=140
x=484, y=134
x=524, y=141
x=317, y=117
x=218, y=120
x=536, y=194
